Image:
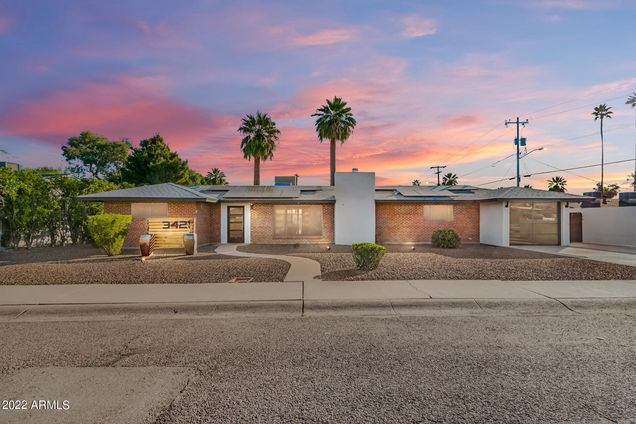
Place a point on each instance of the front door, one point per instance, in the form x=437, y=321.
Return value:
x=235, y=232
x=576, y=227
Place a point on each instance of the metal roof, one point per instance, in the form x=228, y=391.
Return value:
x=164, y=191
x=324, y=194
x=262, y=192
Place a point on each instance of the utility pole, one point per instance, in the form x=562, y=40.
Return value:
x=439, y=168
x=517, y=142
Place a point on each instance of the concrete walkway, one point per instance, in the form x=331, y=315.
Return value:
x=332, y=291
x=620, y=256
x=302, y=269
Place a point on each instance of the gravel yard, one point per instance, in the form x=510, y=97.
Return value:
x=469, y=262
x=434, y=266
x=88, y=265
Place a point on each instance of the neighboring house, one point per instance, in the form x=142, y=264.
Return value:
x=10, y=165
x=354, y=210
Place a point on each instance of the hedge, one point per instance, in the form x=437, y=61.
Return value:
x=447, y=239
x=367, y=256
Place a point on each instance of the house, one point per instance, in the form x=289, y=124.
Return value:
x=354, y=210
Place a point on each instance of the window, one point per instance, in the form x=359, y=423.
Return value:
x=297, y=221
x=149, y=210
x=438, y=213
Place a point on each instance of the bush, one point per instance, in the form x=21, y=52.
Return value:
x=367, y=256
x=446, y=239
x=109, y=230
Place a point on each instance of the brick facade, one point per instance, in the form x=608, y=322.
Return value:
x=262, y=225
x=207, y=216
x=404, y=223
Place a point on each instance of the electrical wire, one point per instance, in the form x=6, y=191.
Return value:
x=562, y=169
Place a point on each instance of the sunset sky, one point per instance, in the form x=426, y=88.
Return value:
x=430, y=83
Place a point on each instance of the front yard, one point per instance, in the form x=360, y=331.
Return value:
x=88, y=265
x=469, y=262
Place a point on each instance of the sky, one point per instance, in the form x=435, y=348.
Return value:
x=429, y=82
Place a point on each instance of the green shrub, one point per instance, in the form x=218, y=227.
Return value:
x=109, y=230
x=447, y=239
x=367, y=256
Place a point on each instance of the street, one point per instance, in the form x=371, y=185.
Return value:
x=504, y=364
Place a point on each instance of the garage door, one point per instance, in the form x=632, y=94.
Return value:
x=534, y=222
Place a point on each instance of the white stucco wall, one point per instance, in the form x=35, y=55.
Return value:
x=494, y=223
x=565, y=224
x=246, y=221
x=354, y=219
x=614, y=226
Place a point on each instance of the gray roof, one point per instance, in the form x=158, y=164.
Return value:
x=165, y=192
x=325, y=194
x=262, y=192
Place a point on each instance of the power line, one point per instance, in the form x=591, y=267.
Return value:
x=439, y=170
x=556, y=168
x=562, y=169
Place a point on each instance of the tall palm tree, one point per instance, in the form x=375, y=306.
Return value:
x=557, y=184
x=215, y=177
x=259, y=142
x=601, y=112
x=449, y=179
x=416, y=182
x=335, y=122
x=631, y=100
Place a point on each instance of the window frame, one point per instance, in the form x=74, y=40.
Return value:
x=299, y=236
x=447, y=206
x=148, y=204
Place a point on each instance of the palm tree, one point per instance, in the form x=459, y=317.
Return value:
x=335, y=122
x=601, y=112
x=557, y=184
x=449, y=179
x=259, y=142
x=416, y=182
x=215, y=177
x=631, y=100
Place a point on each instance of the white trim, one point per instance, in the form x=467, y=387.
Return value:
x=246, y=221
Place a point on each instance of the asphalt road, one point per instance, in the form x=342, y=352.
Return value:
x=554, y=366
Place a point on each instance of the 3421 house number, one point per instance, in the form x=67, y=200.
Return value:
x=179, y=225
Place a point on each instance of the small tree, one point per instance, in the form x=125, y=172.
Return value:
x=109, y=231
x=609, y=191
x=153, y=163
x=95, y=155
x=215, y=177
x=557, y=184
x=449, y=179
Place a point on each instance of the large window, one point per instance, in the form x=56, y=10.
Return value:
x=534, y=223
x=438, y=213
x=297, y=221
x=149, y=210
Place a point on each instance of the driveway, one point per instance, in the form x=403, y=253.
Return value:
x=611, y=254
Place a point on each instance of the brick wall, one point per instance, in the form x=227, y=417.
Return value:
x=262, y=225
x=404, y=222
x=208, y=220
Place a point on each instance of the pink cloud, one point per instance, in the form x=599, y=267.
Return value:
x=416, y=26
x=124, y=106
x=4, y=24
x=324, y=37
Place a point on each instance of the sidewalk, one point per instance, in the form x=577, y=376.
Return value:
x=332, y=291
x=611, y=254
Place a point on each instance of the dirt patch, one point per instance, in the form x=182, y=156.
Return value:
x=88, y=265
x=433, y=266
